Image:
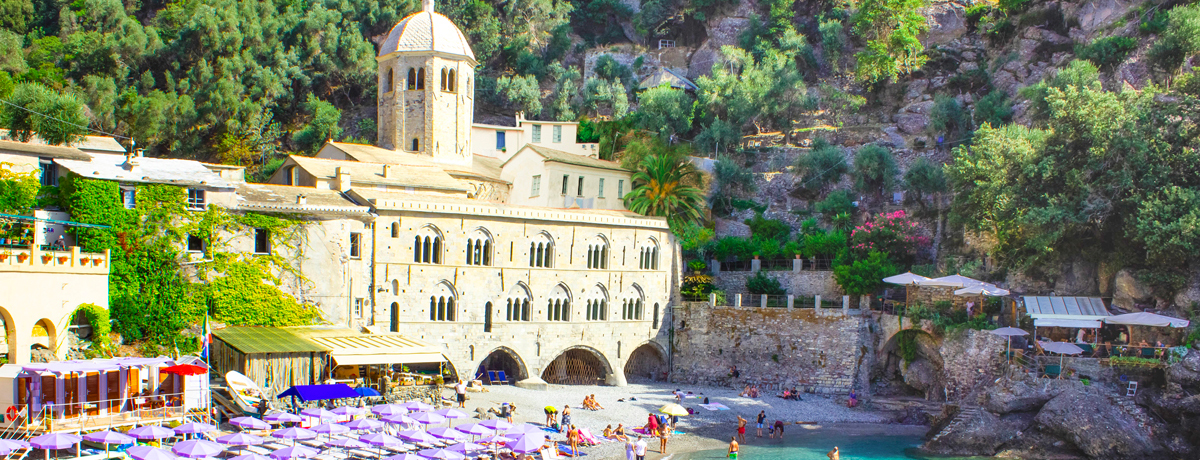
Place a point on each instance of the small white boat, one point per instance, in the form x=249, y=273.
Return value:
x=246, y=393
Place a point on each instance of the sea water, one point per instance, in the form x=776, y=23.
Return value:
x=800, y=444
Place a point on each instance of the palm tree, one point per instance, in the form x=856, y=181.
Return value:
x=662, y=188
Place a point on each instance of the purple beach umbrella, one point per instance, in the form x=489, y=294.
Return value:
x=467, y=448
x=250, y=423
x=441, y=454
x=384, y=410
x=475, y=429
x=496, y=439
x=241, y=439
x=346, y=443
x=282, y=417
x=406, y=456
x=149, y=453
x=527, y=444
x=194, y=428
x=363, y=424
x=381, y=440
x=319, y=413
x=55, y=441
x=399, y=420
x=523, y=429
x=446, y=433
x=150, y=432
x=348, y=411
x=197, y=448
x=294, y=452
x=496, y=424
x=13, y=444
x=428, y=418
x=451, y=413
x=250, y=457
x=108, y=437
x=330, y=428
x=417, y=436
x=294, y=434
x=416, y=406
x=4, y=450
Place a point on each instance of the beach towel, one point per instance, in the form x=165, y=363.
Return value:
x=565, y=449
x=715, y=406
x=587, y=437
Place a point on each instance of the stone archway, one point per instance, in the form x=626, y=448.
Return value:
x=577, y=366
x=647, y=363
x=909, y=364
x=10, y=335
x=503, y=359
x=45, y=337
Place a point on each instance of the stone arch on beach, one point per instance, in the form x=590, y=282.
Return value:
x=647, y=363
x=909, y=363
x=47, y=327
x=503, y=359
x=578, y=365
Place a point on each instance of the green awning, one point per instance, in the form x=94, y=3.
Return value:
x=254, y=340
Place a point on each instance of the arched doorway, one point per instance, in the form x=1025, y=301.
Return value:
x=45, y=342
x=909, y=364
x=10, y=330
x=502, y=359
x=576, y=366
x=646, y=364
x=395, y=314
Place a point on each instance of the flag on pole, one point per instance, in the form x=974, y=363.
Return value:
x=206, y=340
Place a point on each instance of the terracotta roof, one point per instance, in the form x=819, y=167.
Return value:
x=426, y=31
x=560, y=156
x=427, y=177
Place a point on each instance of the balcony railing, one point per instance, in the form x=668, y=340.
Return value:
x=34, y=258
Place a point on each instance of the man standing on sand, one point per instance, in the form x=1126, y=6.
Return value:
x=762, y=417
x=640, y=448
x=741, y=433
x=833, y=454
x=733, y=448
x=460, y=390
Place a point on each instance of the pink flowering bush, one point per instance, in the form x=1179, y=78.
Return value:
x=892, y=234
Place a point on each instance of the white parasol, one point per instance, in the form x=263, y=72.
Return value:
x=1147, y=319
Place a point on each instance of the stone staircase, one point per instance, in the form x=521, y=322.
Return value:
x=965, y=413
x=1128, y=406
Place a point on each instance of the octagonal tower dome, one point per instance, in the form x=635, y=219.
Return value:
x=427, y=32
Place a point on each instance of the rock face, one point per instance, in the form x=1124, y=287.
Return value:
x=1186, y=373
x=921, y=374
x=1019, y=397
x=1128, y=291
x=947, y=22
x=1097, y=427
x=913, y=118
x=982, y=434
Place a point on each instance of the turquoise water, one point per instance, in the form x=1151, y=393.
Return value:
x=814, y=444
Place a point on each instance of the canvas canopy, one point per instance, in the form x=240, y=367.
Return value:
x=360, y=350
x=955, y=281
x=1146, y=319
x=905, y=278
x=982, y=289
x=1085, y=312
x=320, y=392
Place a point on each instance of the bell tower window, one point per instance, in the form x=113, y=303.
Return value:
x=412, y=79
x=451, y=82
x=420, y=78
x=445, y=85
x=390, y=80
x=416, y=144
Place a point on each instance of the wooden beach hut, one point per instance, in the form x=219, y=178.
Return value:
x=274, y=358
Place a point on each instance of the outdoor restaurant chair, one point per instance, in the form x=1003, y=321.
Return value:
x=1087, y=348
x=1147, y=352
x=1053, y=370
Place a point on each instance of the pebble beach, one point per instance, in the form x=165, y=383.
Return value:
x=701, y=431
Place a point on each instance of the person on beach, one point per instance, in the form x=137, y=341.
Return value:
x=778, y=429
x=573, y=439
x=853, y=399
x=506, y=411
x=629, y=449
x=733, y=448
x=762, y=416
x=551, y=413
x=640, y=448
x=596, y=404
x=566, y=417
x=663, y=433
x=741, y=432
x=833, y=454
x=651, y=424
x=620, y=431
x=460, y=392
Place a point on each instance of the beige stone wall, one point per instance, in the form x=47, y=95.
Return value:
x=439, y=120
x=466, y=341
x=521, y=169
x=47, y=291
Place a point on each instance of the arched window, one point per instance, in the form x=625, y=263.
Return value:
x=517, y=308
x=421, y=78
x=597, y=304
x=416, y=145
x=396, y=287
x=597, y=253
x=290, y=177
x=655, y=318
x=487, y=317
x=427, y=246
x=445, y=86
x=558, y=307
x=412, y=79
x=395, y=316
x=648, y=255
x=395, y=229
x=631, y=307
x=390, y=80
x=541, y=251
x=479, y=248
x=450, y=84
x=441, y=303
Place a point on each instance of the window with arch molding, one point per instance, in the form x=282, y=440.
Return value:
x=541, y=251
x=596, y=307
x=427, y=246
x=416, y=144
x=421, y=78
x=445, y=82
x=411, y=83
x=648, y=255
x=517, y=305
x=395, y=287
x=597, y=253
x=479, y=248
x=558, y=306
x=395, y=229
x=290, y=177
x=442, y=303
x=451, y=86
x=632, y=306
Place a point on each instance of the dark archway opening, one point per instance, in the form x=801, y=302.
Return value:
x=500, y=360
x=645, y=364
x=909, y=365
x=575, y=367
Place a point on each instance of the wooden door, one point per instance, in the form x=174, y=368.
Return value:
x=93, y=393
x=114, y=391
x=71, y=395
x=49, y=390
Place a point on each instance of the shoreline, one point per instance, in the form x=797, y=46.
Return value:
x=702, y=431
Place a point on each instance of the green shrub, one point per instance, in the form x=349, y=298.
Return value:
x=948, y=116
x=837, y=202
x=924, y=179
x=733, y=247
x=821, y=167
x=1107, y=51
x=874, y=169
x=770, y=229
x=864, y=276
x=1180, y=40
x=995, y=108
x=760, y=283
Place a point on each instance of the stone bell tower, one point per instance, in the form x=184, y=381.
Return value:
x=426, y=88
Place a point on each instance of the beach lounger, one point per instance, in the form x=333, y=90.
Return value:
x=501, y=378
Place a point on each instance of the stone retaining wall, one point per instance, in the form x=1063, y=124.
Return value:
x=797, y=283
x=815, y=350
